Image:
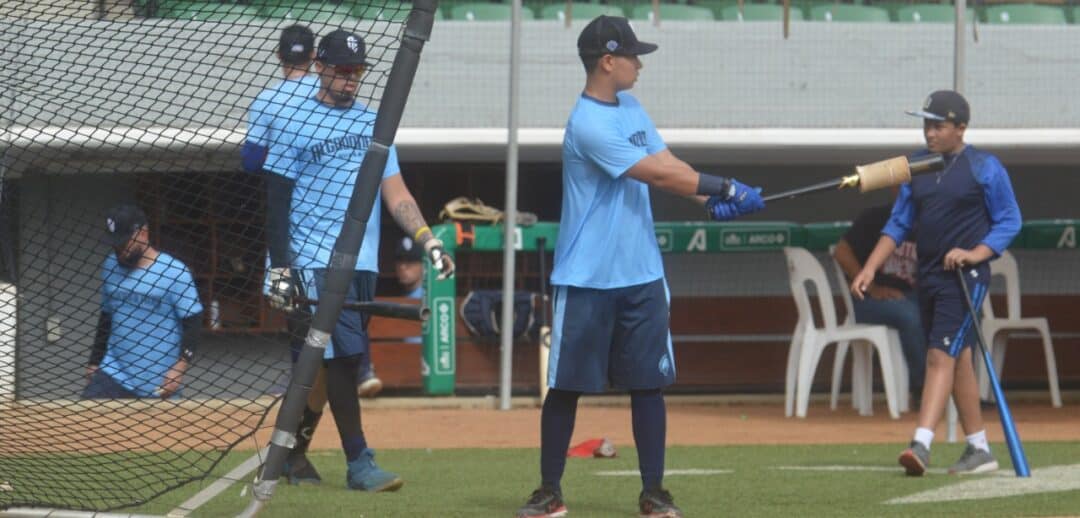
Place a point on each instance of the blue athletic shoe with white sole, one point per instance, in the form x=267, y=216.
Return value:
x=365, y=475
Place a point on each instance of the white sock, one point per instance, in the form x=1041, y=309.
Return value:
x=978, y=440
x=925, y=436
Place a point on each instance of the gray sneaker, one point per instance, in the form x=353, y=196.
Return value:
x=915, y=459
x=974, y=461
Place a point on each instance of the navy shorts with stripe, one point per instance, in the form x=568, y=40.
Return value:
x=611, y=337
x=350, y=336
x=945, y=315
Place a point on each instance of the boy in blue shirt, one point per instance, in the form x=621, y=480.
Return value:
x=323, y=140
x=610, y=322
x=150, y=319
x=965, y=215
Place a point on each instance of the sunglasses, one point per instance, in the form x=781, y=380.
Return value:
x=347, y=71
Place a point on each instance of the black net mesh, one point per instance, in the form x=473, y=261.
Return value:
x=144, y=102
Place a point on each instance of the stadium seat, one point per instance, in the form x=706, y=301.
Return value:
x=308, y=12
x=848, y=13
x=673, y=12
x=579, y=11
x=758, y=12
x=809, y=341
x=996, y=329
x=203, y=11
x=389, y=11
x=930, y=13
x=1030, y=14
x=487, y=12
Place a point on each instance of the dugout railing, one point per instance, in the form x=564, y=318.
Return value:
x=440, y=340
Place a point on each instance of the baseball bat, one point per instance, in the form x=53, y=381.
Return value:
x=545, y=315
x=869, y=177
x=380, y=309
x=1012, y=438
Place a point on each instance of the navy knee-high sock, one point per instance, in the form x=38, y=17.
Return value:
x=650, y=430
x=345, y=404
x=556, y=428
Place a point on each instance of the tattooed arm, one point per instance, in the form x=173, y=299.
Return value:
x=407, y=214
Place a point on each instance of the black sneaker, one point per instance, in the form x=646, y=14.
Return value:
x=657, y=503
x=299, y=470
x=545, y=502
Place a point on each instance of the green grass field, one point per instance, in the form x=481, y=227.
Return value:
x=471, y=482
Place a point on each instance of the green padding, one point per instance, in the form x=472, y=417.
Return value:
x=693, y=237
x=1048, y=233
x=820, y=236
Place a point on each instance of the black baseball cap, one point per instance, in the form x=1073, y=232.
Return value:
x=408, y=250
x=944, y=105
x=611, y=35
x=341, y=47
x=123, y=221
x=296, y=43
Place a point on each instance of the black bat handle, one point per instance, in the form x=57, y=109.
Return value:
x=823, y=186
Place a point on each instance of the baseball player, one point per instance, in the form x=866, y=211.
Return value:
x=150, y=319
x=965, y=215
x=610, y=323
x=323, y=141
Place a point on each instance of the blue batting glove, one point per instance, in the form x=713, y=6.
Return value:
x=720, y=210
x=746, y=199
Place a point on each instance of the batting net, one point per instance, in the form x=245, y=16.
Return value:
x=143, y=102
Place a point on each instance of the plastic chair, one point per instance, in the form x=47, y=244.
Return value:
x=487, y=12
x=578, y=11
x=930, y=13
x=680, y=12
x=1030, y=14
x=862, y=373
x=996, y=329
x=848, y=13
x=758, y=13
x=809, y=341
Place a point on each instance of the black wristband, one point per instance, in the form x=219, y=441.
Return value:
x=709, y=185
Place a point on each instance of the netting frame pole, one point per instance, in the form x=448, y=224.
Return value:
x=340, y=271
x=959, y=60
x=510, y=221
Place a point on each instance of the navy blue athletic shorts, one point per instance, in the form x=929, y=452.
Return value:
x=945, y=315
x=350, y=336
x=611, y=337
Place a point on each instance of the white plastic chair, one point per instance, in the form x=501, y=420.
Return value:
x=862, y=375
x=809, y=341
x=996, y=329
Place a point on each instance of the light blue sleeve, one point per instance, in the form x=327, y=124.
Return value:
x=284, y=159
x=259, y=131
x=392, y=168
x=183, y=294
x=1005, y=220
x=605, y=147
x=655, y=143
x=902, y=217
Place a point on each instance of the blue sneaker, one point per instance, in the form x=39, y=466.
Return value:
x=364, y=474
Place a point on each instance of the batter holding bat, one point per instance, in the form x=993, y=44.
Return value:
x=610, y=324
x=326, y=137
x=965, y=215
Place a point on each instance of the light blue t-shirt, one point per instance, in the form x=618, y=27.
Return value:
x=270, y=102
x=147, y=305
x=323, y=149
x=606, y=234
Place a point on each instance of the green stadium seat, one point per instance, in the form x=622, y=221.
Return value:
x=388, y=11
x=673, y=12
x=930, y=13
x=308, y=12
x=578, y=11
x=205, y=11
x=758, y=13
x=1031, y=14
x=487, y=12
x=848, y=13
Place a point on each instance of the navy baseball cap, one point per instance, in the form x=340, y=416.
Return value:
x=944, y=105
x=611, y=35
x=123, y=221
x=296, y=43
x=341, y=47
x=408, y=250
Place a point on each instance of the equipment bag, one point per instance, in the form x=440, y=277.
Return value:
x=482, y=310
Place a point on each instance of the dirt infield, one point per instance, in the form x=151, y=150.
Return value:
x=688, y=424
